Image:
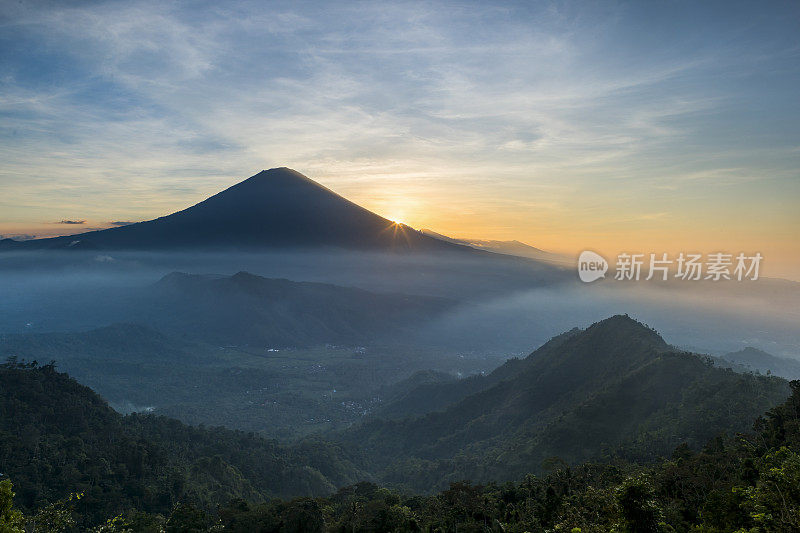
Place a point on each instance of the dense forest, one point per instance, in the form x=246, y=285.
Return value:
x=614, y=391
x=144, y=474
x=58, y=437
x=603, y=429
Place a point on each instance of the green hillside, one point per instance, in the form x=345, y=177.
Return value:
x=748, y=483
x=615, y=390
x=574, y=435
x=59, y=437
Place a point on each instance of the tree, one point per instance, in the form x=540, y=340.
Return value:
x=11, y=520
x=55, y=517
x=186, y=518
x=640, y=512
x=114, y=525
x=774, y=503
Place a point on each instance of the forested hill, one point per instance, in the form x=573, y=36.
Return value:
x=615, y=389
x=743, y=483
x=58, y=437
x=747, y=483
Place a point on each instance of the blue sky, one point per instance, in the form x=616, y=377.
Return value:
x=651, y=126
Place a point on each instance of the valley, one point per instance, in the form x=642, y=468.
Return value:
x=282, y=393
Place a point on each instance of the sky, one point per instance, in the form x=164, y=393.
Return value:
x=610, y=126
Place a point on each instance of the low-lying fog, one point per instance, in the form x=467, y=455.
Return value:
x=503, y=306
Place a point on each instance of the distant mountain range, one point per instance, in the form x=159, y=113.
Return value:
x=614, y=389
x=519, y=249
x=276, y=208
x=248, y=309
x=755, y=360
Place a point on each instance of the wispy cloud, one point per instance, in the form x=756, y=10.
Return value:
x=526, y=113
x=18, y=236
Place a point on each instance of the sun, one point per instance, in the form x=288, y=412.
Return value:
x=398, y=210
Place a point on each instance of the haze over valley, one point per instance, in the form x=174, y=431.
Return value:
x=306, y=326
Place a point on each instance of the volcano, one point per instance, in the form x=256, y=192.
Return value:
x=276, y=208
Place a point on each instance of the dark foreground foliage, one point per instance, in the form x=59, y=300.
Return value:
x=744, y=483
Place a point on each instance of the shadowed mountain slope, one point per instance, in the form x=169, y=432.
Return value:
x=249, y=309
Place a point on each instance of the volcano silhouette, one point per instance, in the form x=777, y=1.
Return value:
x=277, y=208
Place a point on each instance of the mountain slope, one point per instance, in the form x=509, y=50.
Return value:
x=615, y=388
x=276, y=208
x=58, y=437
x=249, y=309
x=437, y=394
